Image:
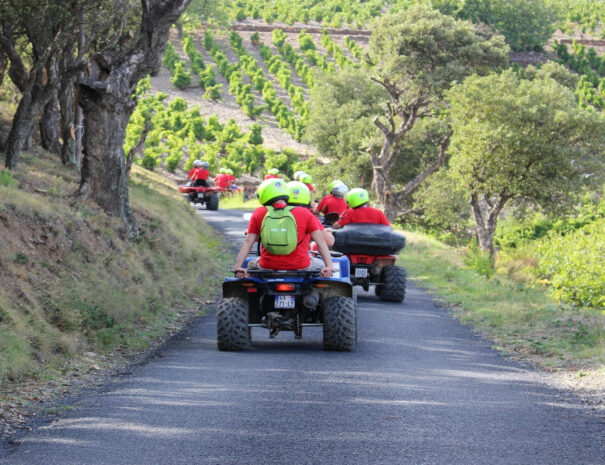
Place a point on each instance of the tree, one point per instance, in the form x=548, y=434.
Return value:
x=525, y=25
x=415, y=57
x=105, y=95
x=519, y=139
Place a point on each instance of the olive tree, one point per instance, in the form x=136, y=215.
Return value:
x=105, y=95
x=416, y=56
x=519, y=139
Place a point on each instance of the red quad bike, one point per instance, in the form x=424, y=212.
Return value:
x=372, y=250
x=205, y=195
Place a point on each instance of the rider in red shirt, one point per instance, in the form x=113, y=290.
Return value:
x=199, y=174
x=273, y=173
x=359, y=210
x=335, y=202
x=275, y=193
x=221, y=180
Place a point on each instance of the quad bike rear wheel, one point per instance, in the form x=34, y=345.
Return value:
x=393, y=281
x=340, y=323
x=232, y=324
x=212, y=203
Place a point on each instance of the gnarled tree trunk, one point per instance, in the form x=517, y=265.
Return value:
x=486, y=213
x=106, y=99
x=49, y=126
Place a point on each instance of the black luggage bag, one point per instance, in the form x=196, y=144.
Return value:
x=368, y=239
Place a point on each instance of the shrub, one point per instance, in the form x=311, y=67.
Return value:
x=573, y=265
x=7, y=179
x=181, y=78
x=479, y=260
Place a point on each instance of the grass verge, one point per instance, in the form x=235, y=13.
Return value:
x=236, y=201
x=71, y=285
x=521, y=320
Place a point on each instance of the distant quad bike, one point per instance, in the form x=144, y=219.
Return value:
x=207, y=196
x=288, y=301
x=372, y=250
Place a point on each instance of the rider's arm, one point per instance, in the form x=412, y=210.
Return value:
x=328, y=236
x=326, y=271
x=244, y=251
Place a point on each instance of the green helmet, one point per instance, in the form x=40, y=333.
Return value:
x=271, y=190
x=222, y=170
x=333, y=183
x=306, y=178
x=299, y=193
x=273, y=171
x=229, y=171
x=297, y=175
x=357, y=197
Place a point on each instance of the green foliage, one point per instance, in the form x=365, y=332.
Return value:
x=537, y=154
x=573, y=265
x=181, y=77
x=170, y=57
x=479, y=260
x=7, y=179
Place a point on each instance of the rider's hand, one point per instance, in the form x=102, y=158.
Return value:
x=326, y=272
x=240, y=273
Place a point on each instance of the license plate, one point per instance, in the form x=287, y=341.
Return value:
x=285, y=301
x=361, y=272
x=200, y=195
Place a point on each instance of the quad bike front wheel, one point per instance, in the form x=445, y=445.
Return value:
x=232, y=324
x=340, y=323
x=393, y=282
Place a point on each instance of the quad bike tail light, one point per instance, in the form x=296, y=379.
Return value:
x=285, y=287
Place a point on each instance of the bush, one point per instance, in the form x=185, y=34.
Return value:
x=479, y=260
x=7, y=179
x=573, y=265
x=181, y=78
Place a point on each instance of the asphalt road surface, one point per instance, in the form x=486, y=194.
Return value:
x=419, y=389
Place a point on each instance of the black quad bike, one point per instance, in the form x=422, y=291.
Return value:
x=372, y=250
x=288, y=301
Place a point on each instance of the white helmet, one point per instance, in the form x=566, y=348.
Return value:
x=197, y=163
x=340, y=190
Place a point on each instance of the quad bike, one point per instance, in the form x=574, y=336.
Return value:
x=371, y=249
x=207, y=196
x=288, y=301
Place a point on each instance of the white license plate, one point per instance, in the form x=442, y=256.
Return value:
x=200, y=195
x=361, y=272
x=285, y=301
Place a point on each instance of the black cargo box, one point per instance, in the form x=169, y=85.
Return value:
x=368, y=239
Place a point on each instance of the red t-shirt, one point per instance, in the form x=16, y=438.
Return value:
x=311, y=187
x=363, y=215
x=230, y=178
x=306, y=223
x=271, y=176
x=221, y=180
x=198, y=173
x=331, y=204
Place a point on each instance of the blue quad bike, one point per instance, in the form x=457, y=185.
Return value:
x=288, y=301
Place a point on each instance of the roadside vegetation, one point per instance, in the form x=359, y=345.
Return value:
x=521, y=318
x=71, y=282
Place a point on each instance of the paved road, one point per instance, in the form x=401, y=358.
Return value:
x=419, y=389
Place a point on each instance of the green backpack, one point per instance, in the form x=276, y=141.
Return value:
x=278, y=232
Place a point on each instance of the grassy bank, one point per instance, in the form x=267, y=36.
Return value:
x=71, y=284
x=520, y=319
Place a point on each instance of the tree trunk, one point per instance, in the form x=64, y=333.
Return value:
x=35, y=95
x=21, y=129
x=66, y=104
x=486, y=217
x=107, y=105
x=49, y=126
